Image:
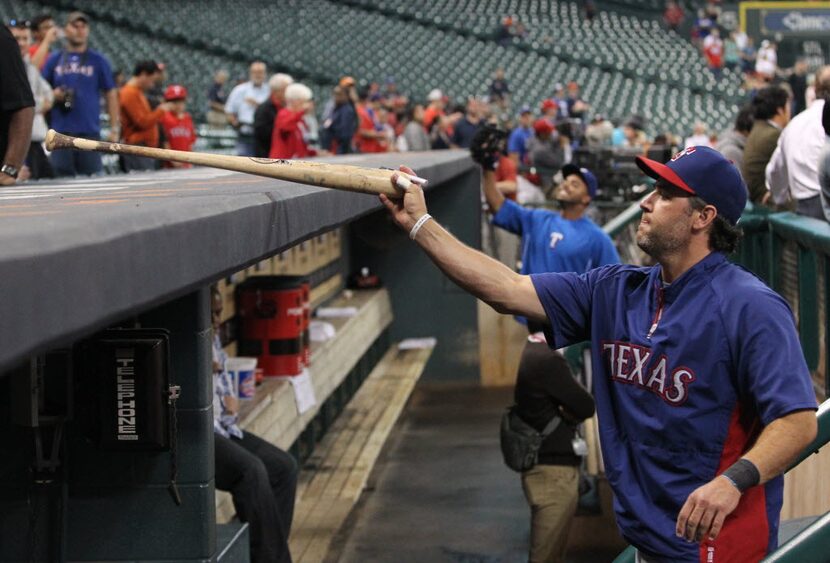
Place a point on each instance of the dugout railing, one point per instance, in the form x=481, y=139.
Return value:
x=791, y=253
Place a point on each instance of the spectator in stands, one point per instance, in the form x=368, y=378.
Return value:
x=550, y=111
x=261, y=478
x=469, y=124
x=177, y=124
x=824, y=163
x=44, y=34
x=517, y=142
x=289, y=136
x=771, y=112
x=673, y=15
x=140, y=123
x=499, y=89
x=504, y=34
x=732, y=143
x=748, y=55
x=436, y=106
x=384, y=127
x=792, y=172
x=798, y=84
x=766, y=61
x=17, y=110
x=266, y=114
x=561, y=100
x=440, y=134
x=699, y=137
x=217, y=98
x=545, y=152
x=36, y=160
x=632, y=134
x=713, y=51
x=576, y=105
x=241, y=106
x=414, y=135
x=368, y=139
x=79, y=75
x=731, y=52
x=598, y=133
x=341, y=127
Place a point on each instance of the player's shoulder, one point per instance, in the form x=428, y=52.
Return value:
x=734, y=288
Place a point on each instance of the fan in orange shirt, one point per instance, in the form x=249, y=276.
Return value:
x=178, y=124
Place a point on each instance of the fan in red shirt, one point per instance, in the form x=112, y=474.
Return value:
x=177, y=124
x=288, y=138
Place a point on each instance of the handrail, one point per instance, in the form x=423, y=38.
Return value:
x=616, y=225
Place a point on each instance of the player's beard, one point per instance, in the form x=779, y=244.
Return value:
x=662, y=241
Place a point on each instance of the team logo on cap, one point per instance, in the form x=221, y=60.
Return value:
x=684, y=152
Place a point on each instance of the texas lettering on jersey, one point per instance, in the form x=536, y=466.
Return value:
x=637, y=365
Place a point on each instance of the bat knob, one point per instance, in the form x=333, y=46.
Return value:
x=50, y=140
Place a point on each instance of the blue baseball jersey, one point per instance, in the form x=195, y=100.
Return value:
x=686, y=376
x=89, y=75
x=551, y=243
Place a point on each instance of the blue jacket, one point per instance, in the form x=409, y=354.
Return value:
x=685, y=378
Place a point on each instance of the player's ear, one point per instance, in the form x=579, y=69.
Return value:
x=705, y=217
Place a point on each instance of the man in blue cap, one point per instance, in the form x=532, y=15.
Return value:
x=563, y=241
x=702, y=391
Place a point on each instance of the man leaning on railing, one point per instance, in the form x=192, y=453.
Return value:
x=702, y=391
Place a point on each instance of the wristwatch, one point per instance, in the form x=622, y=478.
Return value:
x=9, y=170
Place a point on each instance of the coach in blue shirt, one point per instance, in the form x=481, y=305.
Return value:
x=79, y=75
x=703, y=394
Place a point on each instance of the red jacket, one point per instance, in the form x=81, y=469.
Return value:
x=287, y=139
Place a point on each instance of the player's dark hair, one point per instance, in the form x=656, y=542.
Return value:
x=768, y=101
x=723, y=235
x=745, y=119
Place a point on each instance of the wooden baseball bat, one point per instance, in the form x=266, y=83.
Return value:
x=337, y=176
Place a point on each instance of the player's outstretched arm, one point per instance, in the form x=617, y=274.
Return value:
x=489, y=280
x=777, y=447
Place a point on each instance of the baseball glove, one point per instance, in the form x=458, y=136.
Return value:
x=488, y=145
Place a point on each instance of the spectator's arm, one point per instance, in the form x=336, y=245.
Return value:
x=232, y=106
x=137, y=112
x=20, y=135
x=492, y=195
x=39, y=57
x=287, y=120
x=115, y=115
x=776, y=176
x=44, y=97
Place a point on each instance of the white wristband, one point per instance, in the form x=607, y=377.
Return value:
x=417, y=226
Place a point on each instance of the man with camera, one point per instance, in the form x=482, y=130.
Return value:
x=79, y=75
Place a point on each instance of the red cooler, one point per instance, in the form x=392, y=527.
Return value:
x=272, y=319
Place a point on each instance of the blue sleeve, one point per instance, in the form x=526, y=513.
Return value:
x=771, y=366
x=105, y=79
x=513, y=217
x=566, y=298
x=516, y=142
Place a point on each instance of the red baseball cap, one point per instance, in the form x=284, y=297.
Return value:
x=542, y=126
x=175, y=92
x=549, y=104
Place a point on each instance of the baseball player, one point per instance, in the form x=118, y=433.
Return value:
x=703, y=394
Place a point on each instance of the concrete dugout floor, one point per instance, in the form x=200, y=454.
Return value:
x=441, y=493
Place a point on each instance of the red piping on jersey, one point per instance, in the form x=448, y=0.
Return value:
x=744, y=537
x=657, y=314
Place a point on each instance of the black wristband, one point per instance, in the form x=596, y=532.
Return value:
x=743, y=474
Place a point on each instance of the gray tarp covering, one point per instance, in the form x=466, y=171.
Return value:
x=79, y=254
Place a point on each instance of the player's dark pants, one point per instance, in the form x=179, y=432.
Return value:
x=263, y=480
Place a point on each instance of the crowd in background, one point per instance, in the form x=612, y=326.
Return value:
x=276, y=117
